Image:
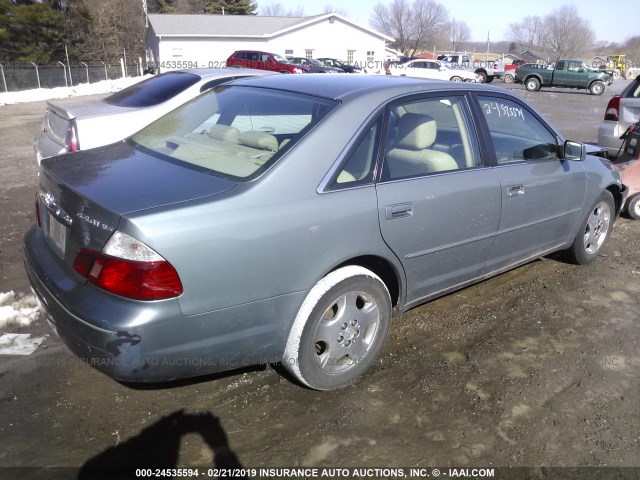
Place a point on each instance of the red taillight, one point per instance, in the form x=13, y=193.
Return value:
x=73, y=144
x=38, y=217
x=156, y=280
x=613, y=109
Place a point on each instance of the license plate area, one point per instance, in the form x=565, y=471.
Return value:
x=57, y=234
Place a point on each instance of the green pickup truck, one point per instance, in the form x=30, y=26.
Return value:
x=566, y=73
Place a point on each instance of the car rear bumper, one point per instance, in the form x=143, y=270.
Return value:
x=609, y=137
x=134, y=341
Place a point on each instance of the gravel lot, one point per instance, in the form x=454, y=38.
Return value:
x=538, y=367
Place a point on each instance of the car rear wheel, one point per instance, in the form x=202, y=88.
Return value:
x=339, y=330
x=456, y=79
x=532, y=84
x=483, y=76
x=597, y=88
x=508, y=78
x=633, y=207
x=594, y=231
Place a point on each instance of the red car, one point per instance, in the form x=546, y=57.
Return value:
x=262, y=61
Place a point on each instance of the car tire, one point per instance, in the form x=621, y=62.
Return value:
x=489, y=79
x=597, y=88
x=483, y=76
x=532, y=84
x=594, y=231
x=633, y=207
x=508, y=78
x=339, y=330
x=455, y=78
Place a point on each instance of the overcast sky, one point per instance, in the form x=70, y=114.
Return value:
x=607, y=19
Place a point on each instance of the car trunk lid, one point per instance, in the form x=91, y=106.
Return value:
x=82, y=197
x=59, y=117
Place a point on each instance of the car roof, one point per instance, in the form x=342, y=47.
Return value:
x=342, y=87
x=212, y=73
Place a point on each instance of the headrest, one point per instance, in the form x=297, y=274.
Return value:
x=224, y=133
x=260, y=140
x=416, y=131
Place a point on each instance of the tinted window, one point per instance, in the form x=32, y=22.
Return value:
x=429, y=136
x=516, y=133
x=234, y=131
x=153, y=90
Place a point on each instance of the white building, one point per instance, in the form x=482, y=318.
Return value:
x=184, y=41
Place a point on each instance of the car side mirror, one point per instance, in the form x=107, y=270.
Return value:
x=573, y=150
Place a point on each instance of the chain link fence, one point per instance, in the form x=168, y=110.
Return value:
x=15, y=78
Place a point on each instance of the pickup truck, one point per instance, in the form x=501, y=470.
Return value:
x=487, y=71
x=565, y=73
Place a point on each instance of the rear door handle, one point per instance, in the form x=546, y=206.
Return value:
x=400, y=210
x=515, y=191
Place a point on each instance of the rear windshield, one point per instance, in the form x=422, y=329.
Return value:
x=234, y=131
x=633, y=89
x=153, y=90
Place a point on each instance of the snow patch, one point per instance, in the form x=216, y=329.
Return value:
x=18, y=311
x=19, y=343
x=39, y=94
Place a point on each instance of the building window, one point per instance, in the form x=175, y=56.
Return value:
x=350, y=56
x=288, y=53
x=176, y=52
x=370, y=55
x=308, y=53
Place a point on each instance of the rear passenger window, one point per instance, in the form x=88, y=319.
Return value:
x=360, y=164
x=517, y=135
x=429, y=136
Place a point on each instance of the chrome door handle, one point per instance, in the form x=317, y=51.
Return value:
x=515, y=191
x=400, y=210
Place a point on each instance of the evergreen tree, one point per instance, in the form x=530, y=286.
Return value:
x=39, y=31
x=229, y=7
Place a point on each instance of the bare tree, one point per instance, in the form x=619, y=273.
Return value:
x=338, y=10
x=412, y=25
x=459, y=32
x=116, y=30
x=278, y=10
x=528, y=33
x=566, y=33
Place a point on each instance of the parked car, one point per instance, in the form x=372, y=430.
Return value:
x=81, y=123
x=433, y=70
x=314, y=66
x=622, y=111
x=487, y=70
x=341, y=64
x=284, y=219
x=628, y=163
x=271, y=62
x=564, y=74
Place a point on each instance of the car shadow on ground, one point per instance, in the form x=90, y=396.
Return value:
x=157, y=448
x=184, y=382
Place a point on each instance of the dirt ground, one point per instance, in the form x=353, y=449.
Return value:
x=538, y=367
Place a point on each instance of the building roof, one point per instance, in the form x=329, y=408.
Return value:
x=173, y=25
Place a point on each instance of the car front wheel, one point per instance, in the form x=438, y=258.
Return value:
x=633, y=207
x=594, y=231
x=456, y=79
x=339, y=330
x=508, y=78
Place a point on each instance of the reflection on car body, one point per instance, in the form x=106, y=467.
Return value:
x=286, y=219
